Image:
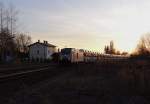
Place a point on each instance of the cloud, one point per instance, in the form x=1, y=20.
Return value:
x=86, y=23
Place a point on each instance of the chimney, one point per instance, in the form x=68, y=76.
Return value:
x=58, y=49
x=44, y=41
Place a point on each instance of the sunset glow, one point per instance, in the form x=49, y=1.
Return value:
x=87, y=24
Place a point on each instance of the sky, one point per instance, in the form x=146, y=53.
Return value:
x=86, y=24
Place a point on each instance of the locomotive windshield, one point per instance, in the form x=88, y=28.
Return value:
x=66, y=51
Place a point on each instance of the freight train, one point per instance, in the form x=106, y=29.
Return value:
x=73, y=55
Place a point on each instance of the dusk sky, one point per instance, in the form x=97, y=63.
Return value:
x=87, y=24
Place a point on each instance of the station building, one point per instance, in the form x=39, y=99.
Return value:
x=41, y=51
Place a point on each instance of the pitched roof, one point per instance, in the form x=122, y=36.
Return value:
x=44, y=44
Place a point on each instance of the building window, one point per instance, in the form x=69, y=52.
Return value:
x=37, y=51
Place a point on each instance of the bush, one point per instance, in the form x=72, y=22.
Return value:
x=56, y=57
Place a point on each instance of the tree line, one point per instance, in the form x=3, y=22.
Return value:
x=12, y=42
x=143, y=46
x=110, y=49
x=142, y=49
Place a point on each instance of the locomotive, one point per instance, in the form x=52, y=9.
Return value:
x=71, y=55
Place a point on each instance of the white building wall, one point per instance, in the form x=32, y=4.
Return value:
x=45, y=52
x=37, y=51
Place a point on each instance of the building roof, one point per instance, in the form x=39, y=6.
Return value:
x=44, y=44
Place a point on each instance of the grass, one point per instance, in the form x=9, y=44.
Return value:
x=111, y=82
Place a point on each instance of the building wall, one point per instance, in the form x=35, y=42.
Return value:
x=50, y=51
x=37, y=51
x=41, y=52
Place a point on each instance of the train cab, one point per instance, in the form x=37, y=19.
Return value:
x=71, y=55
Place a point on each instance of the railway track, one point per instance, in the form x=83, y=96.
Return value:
x=21, y=73
x=14, y=72
x=21, y=66
x=16, y=81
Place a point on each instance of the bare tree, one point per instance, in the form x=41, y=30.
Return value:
x=106, y=49
x=12, y=18
x=143, y=47
x=109, y=49
x=118, y=53
x=124, y=53
x=1, y=15
x=8, y=19
x=7, y=45
x=22, y=42
x=146, y=39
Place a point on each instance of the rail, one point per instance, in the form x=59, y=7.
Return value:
x=23, y=72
